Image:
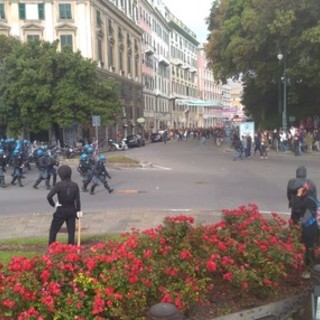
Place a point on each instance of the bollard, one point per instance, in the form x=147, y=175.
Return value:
x=164, y=311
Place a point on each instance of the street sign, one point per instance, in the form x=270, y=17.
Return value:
x=96, y=122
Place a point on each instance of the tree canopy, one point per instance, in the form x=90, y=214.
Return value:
x=245, y=39
x=42, y=88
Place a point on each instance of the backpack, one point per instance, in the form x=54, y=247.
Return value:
x=317, y=215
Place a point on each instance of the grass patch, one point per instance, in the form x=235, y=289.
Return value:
x=122, y=159
x=6, y=256
x=30, y=247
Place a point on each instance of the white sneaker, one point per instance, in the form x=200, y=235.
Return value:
x=306, y=275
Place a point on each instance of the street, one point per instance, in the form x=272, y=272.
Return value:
x=185, y=175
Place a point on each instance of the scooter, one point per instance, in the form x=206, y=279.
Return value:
x=114, y=146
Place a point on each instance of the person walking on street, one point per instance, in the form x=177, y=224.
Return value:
x=43, y=164
x=100, y=173
x=3, y=164
x=293, y=199
x=85, y=170
x=67, y=206
x=18, y=165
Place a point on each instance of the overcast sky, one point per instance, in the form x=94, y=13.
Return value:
x=193, y=14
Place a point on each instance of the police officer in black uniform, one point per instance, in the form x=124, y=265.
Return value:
x=52, y=171
x=67, y=205
x=43, y=164
x=85, y=170
x=18, y=164
x=100, y=173
x=3, y=164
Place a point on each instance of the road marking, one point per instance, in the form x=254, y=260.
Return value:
x=160, y=167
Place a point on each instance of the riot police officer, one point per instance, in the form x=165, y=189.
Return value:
x=43, y=164
x=52, y=171
x=3, y=164
x=100, y=173
x=85, y=170
x=18, y=164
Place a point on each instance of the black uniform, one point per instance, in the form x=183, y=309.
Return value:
x=68, y=195
x=43, y=164
x=18, y=164
x=3, y=163
x=85, y=169
x=100, y=173
x=52, y=171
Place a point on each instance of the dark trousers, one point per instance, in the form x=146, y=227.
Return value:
x=309, y=238
x=58, y=220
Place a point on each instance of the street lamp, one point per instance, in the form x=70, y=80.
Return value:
x=284, y=81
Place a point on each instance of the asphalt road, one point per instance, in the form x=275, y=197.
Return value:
x=184, y=176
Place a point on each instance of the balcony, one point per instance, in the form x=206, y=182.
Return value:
x=149, y=51
x=177, y=62
x=163, y=61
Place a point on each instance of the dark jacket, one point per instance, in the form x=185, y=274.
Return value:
x=296, y=183
x=99, y=170
x=67, y=191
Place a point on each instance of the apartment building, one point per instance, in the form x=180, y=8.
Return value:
x=155, y=67
x=100, y=31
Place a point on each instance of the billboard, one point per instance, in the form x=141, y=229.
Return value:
x=246, y=128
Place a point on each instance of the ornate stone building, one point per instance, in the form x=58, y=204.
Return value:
x=100, y=31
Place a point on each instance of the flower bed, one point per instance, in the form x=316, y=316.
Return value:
x=177, y=263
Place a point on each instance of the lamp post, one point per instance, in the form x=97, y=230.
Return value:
x=284, y=81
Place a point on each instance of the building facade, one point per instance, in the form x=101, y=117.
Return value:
x=155, y=67
x=100, y=31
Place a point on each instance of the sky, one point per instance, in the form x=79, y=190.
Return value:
x=193, y=14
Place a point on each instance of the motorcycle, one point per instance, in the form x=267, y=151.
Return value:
x=114, y=146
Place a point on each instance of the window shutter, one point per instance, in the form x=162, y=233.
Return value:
x=2, y=14
x=22, y=11
x=41, y=11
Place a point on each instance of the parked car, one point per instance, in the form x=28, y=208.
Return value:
x=156, y=137
x=135, y=140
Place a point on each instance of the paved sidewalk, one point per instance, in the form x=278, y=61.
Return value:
x=37, y=225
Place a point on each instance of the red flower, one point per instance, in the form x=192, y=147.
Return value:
x=147, y=253
x=185, y=255
x=8, y=303
x=211, y=266
x=228, y=276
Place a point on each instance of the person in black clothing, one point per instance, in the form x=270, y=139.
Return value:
x=85, y=169
x=309, y=224
x=67, y=206
x=18, y=165
x=43, y=164
x=293, y=199
x=100, y=173
x=52, y=171
x=3, y=164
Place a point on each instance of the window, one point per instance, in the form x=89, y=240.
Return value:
x=66, y=41
x=110, y=56
x=120, y=59
x=31, y=11
x=33, y=37
x=129, y=63
x=2, y=14
x=100, y=49
x=65, y=11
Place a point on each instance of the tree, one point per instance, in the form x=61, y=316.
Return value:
x=246, y=37
x=44, y=89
